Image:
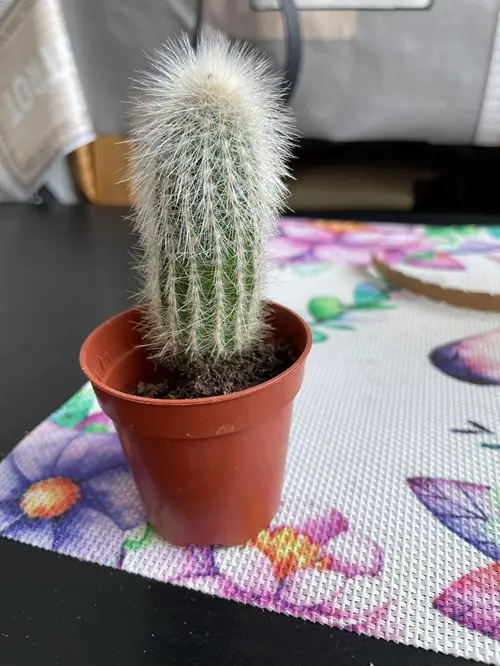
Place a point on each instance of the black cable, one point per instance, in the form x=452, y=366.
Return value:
x=197, y=29
x=293, y=42
x=293, y=45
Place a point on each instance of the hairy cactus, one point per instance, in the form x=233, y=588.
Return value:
x=209, y=143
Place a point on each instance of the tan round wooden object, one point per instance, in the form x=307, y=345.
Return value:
x=464, y=299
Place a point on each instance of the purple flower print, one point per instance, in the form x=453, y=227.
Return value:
x=188, y=565
x=69, y=491
x=475, y=360
x=345, y=242
x=472, y=511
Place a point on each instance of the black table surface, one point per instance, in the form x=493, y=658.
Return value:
x=63, y=271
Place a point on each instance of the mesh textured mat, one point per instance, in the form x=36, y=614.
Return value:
x=390, y=515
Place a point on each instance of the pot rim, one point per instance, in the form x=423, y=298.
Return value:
x=193, y=401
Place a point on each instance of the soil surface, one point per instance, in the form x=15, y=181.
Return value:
x=207, y=380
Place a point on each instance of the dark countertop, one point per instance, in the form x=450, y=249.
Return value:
x=62, y=271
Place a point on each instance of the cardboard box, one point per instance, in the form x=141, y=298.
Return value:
x=101, y=173
x=100, y=170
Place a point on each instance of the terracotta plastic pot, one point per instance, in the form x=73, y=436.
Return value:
x=209, y=470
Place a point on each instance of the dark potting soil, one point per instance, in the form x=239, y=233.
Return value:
x=204, y=380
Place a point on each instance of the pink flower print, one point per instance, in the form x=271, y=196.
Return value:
x=345, y=242
x=474, y=601
x=313, y=570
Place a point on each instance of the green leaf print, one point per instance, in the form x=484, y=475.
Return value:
x=492, y=526
x=323, y=308
x=137, y=544
x=451, y=235
x=75, y=410
x=318, y=336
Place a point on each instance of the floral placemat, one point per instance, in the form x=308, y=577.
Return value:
x=390, y=516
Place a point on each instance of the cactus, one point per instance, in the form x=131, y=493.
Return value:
x=210, y=142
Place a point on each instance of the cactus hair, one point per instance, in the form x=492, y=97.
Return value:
x=210, y=143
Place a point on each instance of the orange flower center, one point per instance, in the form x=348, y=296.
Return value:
x=337, y=228
x=289, y=550
x=50, y=498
